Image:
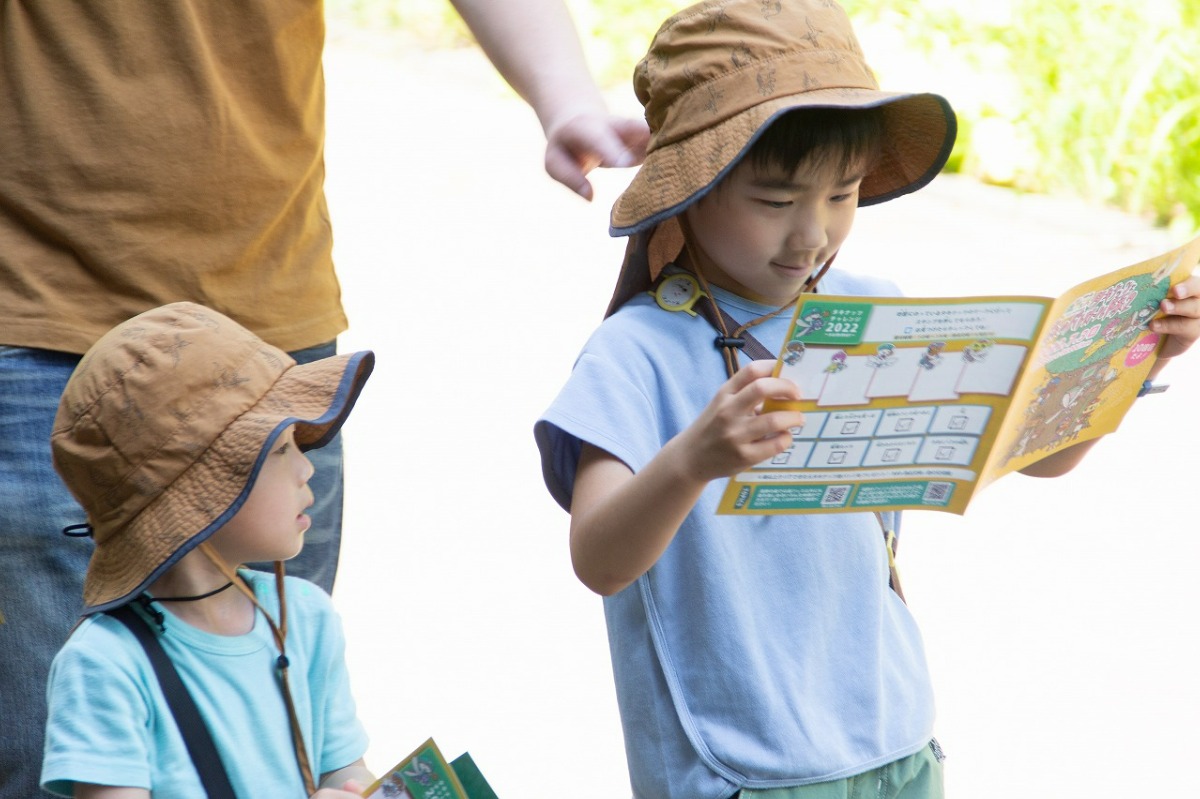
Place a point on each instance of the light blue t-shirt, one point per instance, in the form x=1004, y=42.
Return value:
x=109, y=723
x=759, y=651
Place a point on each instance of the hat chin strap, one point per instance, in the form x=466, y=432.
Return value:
x=279, y=631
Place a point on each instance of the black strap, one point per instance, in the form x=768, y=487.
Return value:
x=196, y=736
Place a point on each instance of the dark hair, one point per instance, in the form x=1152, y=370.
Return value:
x=855, y=135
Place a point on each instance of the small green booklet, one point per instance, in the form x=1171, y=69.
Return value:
x=425, y=774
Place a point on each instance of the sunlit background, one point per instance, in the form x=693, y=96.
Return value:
x=1058, y=615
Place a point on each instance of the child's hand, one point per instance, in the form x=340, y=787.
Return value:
x=349, y=790
x=733, y=433
x=1181, y=324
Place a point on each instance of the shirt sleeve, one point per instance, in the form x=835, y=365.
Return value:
x=98, y=726
x=601, y=405
x=343, y=737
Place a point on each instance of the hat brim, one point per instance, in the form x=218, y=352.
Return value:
x=316, y=397
x=919, y=133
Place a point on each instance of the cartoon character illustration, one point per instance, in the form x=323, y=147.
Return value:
x=394, y=788
x=1072, y=396
x=420, y=772
x=1138, y=322
x=977, y=351
x=932, y=355
x=1046, y=390
x=1141, y=320
x=885, y=355
x=1084, y=420
x=836, y=363
x=793, y=353
x=810, y=323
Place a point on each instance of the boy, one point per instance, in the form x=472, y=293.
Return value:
x=182, y=436
x=754, y=656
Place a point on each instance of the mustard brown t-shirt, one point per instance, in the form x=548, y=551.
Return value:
x=158, y=151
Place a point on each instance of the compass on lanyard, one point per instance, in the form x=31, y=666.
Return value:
x=678, y=292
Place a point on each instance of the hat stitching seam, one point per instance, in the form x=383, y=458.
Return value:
x=762, y=61
x=345, y=391
x=193, y=539
x=127, y=478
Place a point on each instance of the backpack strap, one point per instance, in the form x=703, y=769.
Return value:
x=196, y=736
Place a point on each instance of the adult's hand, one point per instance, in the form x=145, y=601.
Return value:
x=534, y=44
x=588, y=140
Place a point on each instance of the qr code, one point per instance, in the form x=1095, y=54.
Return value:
x=937, y=493
x=835, y=496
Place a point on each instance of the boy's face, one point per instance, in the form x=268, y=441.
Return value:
x=762, y=232
x=271, y=523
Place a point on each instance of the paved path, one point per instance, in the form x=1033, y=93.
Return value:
x=1057, y=614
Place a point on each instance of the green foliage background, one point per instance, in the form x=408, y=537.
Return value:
x=1099, y=98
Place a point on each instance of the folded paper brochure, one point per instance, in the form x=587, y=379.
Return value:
x=920, y=403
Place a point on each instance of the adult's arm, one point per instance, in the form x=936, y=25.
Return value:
x=535, y=47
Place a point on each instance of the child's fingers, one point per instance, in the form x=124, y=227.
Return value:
x=1188, y=307
x=1186, y=327
x=757, y=439
x=755, y=370
x=776, y=424
x=1186, y=288
x=753, y=384
x=1180, y=326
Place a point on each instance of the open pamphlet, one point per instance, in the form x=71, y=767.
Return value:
x=425, y=774
x=920, y=403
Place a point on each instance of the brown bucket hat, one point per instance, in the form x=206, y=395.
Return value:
x=164, y=425
x=719, y=72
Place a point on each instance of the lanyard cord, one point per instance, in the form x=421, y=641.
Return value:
x=279, y=631
x=726, y=343
x=730, y=344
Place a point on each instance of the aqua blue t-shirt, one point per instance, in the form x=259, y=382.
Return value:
x=109, y=723
x=759, y=651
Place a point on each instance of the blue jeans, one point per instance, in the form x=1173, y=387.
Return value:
x=41, y=570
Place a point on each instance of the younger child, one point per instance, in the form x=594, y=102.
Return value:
x=183, y=435
x=761, y=656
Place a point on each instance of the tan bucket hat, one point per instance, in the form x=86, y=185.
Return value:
x=163, y=427
x=716, y=75
x=718, y=72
